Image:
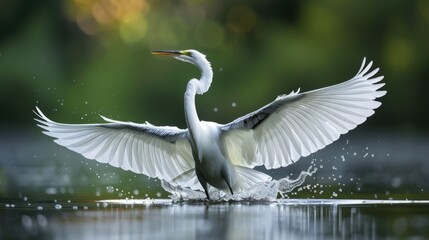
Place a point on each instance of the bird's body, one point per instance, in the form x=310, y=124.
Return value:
x=223, y=155
x=211, y=164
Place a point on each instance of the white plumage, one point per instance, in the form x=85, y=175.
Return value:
x=299, y=124
x=278, y=134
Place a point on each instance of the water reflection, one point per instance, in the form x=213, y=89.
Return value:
x=264, y=220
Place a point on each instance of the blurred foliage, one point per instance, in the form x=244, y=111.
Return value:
x=79, y=58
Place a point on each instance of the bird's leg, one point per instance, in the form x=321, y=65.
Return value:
x=230, y=189
x=203, y=183
x=227, y=181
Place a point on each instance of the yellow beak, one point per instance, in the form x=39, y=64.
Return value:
x=166, y=53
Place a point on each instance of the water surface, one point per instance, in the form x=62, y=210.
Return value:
x=48, y=192
x=161, y=219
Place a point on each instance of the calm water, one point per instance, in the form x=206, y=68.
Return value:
x=159, y=219
x=48, y=192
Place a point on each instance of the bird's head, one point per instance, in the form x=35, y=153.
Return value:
x=190, y=56
x=196, y=58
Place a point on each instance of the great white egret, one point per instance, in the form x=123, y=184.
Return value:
x=223, y=155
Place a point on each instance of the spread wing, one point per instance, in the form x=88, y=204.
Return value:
x=162, y=152
x=299, y=124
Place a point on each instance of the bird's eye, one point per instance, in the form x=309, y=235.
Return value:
x=187, y=53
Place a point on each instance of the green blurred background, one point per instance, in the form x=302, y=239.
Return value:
x=77, y=59
x=80, y=58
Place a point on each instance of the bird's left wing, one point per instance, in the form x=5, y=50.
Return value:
x=299, y=124
x=162, y=152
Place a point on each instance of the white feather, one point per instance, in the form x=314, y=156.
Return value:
x=302, y=123
x=123, y=145
x=292, y=126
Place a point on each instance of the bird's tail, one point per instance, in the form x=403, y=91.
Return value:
x=248, y=177
x=188, y=179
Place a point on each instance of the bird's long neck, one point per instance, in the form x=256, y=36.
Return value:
x=206, y=76
x=197, y=87
x=191, y=115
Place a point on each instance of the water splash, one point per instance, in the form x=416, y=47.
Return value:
x=286, y=185
x=264, y=191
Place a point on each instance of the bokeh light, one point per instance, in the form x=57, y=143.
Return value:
x=241, y=19
x=126, y=18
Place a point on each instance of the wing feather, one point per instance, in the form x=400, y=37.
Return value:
x=299, y=124
x=278, y=144
x=311, y=130
x=138, y=149
x=301, y=127
x=162, y=152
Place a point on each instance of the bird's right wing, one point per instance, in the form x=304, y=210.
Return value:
x=162, y=152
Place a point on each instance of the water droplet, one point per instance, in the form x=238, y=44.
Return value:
x=215, y=109
x=136, y=192
x=51, y=191
x=42, y=221
x=396, y=182
x=109, y=189
x=58, y=206
x=234, y=104
x=39, y=208
x=27, y=222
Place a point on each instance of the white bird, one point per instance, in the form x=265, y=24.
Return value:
x=223, y=155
